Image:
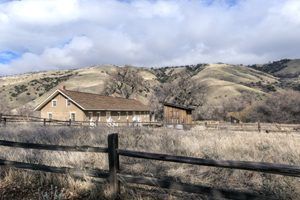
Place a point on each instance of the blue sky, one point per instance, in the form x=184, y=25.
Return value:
x=7, y=56
x=60, y=34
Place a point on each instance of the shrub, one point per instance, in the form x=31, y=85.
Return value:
x=281, y=107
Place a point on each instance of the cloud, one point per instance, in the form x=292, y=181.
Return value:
x=55, y=34
x=72, y=54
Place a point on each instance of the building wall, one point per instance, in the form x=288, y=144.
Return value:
x=174, y=115
x=63, y=112
x=117, y=116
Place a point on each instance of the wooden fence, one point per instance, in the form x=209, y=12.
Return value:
x=20, y=119
x=260, y=127
x=210, y=125
x=115, y=177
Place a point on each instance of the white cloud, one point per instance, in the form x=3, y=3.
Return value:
x=38, y=12
x=72, y=54
x=291, y=10
x=53, y=34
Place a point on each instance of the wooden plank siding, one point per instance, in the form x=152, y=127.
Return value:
x=173, y=115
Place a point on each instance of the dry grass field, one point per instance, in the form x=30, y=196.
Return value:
x=215, y=144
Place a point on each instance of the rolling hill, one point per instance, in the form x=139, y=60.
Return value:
x=221, y=81
x=285, y=68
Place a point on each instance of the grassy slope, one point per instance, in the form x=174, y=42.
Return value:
x=293, y=67
x=223, y=81
x=226, y=81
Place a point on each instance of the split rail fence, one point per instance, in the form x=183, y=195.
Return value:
x=115, y=177
x=6, y=120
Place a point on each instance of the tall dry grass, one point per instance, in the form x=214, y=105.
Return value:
x=223, y=145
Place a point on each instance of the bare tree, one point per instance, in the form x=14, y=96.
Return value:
x=281, y=107
x=227, y=105
x=183, y=90
x=125, y=82
x=26, y=110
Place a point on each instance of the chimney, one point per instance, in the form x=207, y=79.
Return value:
x=63, y=87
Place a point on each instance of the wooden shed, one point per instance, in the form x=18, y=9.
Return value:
x=177, y=114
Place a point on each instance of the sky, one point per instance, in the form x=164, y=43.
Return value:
x=40, y=35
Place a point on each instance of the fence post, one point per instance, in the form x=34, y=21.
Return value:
x=113, y=159
x=258, y=126
x=70, y=121
x=0, y=118
x=44, y=121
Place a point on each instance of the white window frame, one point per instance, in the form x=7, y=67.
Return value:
x=70, y=117
x=91, y=116
x=50, y=113
x=108, y=114
x=68, y=102
x=99, y=116
x=52, y=103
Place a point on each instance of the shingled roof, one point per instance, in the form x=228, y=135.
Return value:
x=178, y=106
x=90, y=101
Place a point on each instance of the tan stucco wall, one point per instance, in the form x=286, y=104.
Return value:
x=62, y=111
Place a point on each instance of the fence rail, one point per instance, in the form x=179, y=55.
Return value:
x=190, y=188
x=60, y=170
x=115, y=177
x=214, y=125
x=53, y=147
x=12, y=119
x=280, y=169
x=260, y=127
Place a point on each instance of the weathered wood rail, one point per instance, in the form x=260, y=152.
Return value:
x=280, y=169
x=115, y=177
x=60, y=170
x=53, y=147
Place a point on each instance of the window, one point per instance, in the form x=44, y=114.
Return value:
x=107, y=114
x=68, y=102
x=50, y=116
x=90, y=116
x=98, y=116
x=54, y=103
x=73, y=116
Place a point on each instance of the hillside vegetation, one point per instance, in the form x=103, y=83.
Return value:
x=208, y=87
x=285, y=68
